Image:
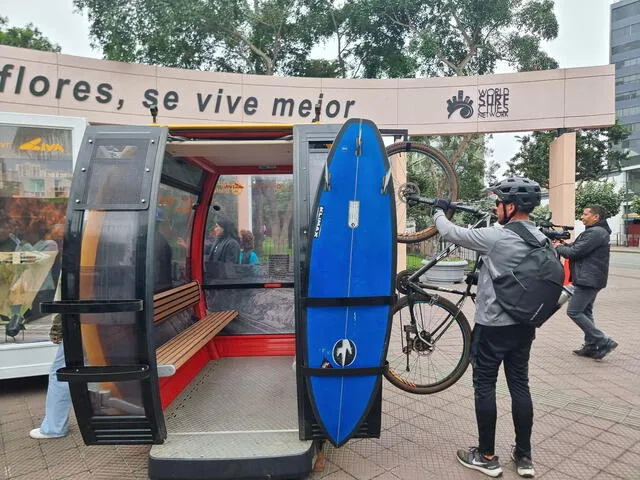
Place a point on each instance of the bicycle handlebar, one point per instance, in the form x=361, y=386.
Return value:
x=456, y=206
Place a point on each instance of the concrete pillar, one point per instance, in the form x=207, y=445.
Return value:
x=244, y=202
x=399, y=173
x=562, y=179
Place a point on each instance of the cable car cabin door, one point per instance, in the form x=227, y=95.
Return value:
x=107, y=286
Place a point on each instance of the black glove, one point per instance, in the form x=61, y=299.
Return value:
x=443, y=204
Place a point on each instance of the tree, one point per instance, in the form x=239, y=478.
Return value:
x=470, y=167
x=448, y=37
x=635, y=204
x=598, y=193
x=260, y=37
x=596, y=154
x=25, y=37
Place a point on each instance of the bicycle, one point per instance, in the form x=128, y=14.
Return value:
x=435, y=335
x=423, y=168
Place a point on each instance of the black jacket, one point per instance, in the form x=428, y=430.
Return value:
x=589, y=256
x=225, y=250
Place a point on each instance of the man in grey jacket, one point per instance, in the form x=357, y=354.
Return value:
x=497, y=338
x=589, y=265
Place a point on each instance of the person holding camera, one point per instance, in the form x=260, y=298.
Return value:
x=497, y=338
x=589, y=267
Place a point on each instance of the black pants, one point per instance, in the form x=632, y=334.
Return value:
x=490, y=347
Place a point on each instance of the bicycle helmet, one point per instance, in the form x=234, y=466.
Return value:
x=522, y=192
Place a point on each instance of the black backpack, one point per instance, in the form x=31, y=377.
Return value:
x=529, y=293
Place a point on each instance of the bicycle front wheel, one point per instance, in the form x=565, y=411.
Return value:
x=432, y=355
x=432, y=174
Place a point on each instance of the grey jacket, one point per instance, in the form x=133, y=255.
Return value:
x=501, y=250
x=589, y=256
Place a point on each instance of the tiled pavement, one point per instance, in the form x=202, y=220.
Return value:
x=587, y=417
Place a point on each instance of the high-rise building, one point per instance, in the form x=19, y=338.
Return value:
x=625, y=54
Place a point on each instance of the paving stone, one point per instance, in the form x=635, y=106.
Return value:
x=623, y=470
x=576, y=469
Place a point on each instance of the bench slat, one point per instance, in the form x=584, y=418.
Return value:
x=158, y=297
x=175, y=306
x=189, y=342
x=180, y=348
x=166, y=304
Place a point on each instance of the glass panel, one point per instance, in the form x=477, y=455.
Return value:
x=107, y=270
x=174, y=221
x=116, y=398
x=627, y=47
x=35, y=178
x=109, y=242
x=115, y=177
x=250, y=239
x=621, y=13
x=177, y=168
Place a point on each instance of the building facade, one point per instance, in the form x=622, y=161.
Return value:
x=625, y=55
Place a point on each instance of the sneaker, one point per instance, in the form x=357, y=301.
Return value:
x=524, y=465
x=602, y=352
x=586, y=351
x=472, y=458
x=38, y=435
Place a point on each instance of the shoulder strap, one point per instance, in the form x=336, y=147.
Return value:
x=524, y=233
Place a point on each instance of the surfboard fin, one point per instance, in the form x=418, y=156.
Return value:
x=359, y=145
x=386, y=180
x=327, y=178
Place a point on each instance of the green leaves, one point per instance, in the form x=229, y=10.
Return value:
x=25, y=37
x=595, y=154
x=598, y=193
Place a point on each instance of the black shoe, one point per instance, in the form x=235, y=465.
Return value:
x=608, y=347
x=524, y=465
x=472, y=458
x=586, y=351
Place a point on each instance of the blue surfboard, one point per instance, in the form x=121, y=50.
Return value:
x=351, y=273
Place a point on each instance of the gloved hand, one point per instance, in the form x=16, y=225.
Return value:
x=443, y=204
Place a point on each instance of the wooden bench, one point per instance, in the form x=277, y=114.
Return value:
x=176, y=352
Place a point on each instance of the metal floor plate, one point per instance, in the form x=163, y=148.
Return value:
x=242, y=407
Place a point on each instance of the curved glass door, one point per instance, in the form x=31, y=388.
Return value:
x=107, y=286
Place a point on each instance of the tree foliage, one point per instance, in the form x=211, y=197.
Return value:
x=596, y=155
x=260, y=37
x=25, y=37
x=470, y=167
x=598, y=193
x=391, y=38
x=635, y=204
x=365, y=38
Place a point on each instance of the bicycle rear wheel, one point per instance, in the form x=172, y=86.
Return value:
x=437, y=359
x=430, y=171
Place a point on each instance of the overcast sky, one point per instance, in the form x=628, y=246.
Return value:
x=583, y=38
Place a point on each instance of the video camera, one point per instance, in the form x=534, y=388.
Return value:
x=557, y=234
x=547, y=228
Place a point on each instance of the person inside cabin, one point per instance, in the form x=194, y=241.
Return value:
x=224, y=249
x=247, y=244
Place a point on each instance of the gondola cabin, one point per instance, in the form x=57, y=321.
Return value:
x=183, y=272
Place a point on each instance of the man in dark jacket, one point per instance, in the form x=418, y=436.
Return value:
x=589, y=261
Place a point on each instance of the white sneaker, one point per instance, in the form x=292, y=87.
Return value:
x=38, y=435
